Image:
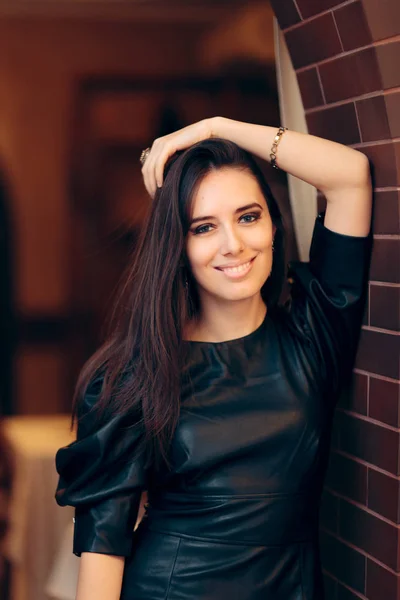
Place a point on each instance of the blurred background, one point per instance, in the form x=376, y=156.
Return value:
x=82, y=92
x=85, y=86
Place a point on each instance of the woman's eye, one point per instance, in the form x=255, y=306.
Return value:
x=250, y=217
x=207, y=227
x=202, y=229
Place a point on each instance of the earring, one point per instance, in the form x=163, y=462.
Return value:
x=273, y=245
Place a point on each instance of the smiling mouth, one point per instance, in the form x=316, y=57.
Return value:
x=239, y=270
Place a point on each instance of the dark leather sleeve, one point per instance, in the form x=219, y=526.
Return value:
x=100, y=476
x=328, y=299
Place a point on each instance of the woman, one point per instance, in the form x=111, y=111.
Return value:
x=208, y=394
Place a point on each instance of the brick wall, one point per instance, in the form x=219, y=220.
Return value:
x=347, y=58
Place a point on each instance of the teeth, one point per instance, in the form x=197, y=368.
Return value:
x=238, y=269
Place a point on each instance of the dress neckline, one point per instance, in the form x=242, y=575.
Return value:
x=234, y=341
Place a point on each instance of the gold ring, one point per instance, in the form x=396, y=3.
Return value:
x=144, y=155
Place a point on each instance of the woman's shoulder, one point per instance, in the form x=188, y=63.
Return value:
x=97, y=406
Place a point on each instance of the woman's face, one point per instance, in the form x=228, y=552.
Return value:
x=229, y=243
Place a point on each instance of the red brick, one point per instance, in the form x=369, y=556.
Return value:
x=355, y=396
x=392, y=101
x=383, y=158
x=369, y=533
x=286, y=13
x=397, y=157
x=330, y=586
x=347, y=477
x=383, y=18
x=378, y=353
x=365, y=319
x=329, y=512
x=386, y=217
x=374, y=123
x=313, y=41
x=310, y=88
x=384, y=495
x=350, y=75
x=385, y=307
x=344, y=593
x=352, y=37
x=381, y=583
x=345, y=563
x=338, y=124
x=370, y=442
x=384, y=401
x=388, y=56
x=335, y=438
x=385, y=260
x=308, y=8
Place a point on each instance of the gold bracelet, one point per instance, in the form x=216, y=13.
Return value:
x=275, y=145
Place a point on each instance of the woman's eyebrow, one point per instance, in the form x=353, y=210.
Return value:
x=238, y=210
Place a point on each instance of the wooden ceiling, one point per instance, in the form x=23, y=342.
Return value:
x=191, y=11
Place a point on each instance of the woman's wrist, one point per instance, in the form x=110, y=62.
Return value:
x=215, y=127
x=256, y=139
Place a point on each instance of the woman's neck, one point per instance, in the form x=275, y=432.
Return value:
x=223, y=321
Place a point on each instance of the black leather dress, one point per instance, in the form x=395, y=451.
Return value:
x=237, y=517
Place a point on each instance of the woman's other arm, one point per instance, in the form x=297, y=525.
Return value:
x=102, y=475
x=100, y=576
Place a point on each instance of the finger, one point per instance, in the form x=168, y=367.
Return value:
x=148, y=169
x=149, y=186
x=147, y=172
x=161, y=161
x=157, y=163
x=145, y=177
x=180, y=140
x=173, y=143
x=150, y=177
x=163, y=148
x=156, y=166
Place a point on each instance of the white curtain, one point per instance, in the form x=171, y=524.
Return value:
x=303, y=197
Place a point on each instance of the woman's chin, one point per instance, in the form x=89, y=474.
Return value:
x=239, y=294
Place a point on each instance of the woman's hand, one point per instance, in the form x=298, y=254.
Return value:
x=166, y=146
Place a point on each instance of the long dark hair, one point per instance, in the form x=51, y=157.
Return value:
x=143, y=357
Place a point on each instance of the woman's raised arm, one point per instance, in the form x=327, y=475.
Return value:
x=341, y=173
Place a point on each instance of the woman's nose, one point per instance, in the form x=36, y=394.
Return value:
x=232, y=242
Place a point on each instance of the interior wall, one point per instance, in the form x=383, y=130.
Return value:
x=347, y=56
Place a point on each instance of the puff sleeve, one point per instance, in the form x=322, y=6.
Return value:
x=101, y=477
x=327, y=302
